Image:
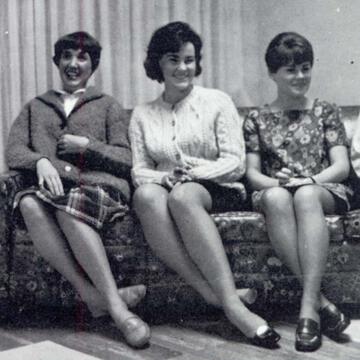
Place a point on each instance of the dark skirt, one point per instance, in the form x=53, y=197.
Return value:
x=89, y=203
x=225, y=197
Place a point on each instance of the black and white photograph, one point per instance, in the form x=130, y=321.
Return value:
x=179, y=179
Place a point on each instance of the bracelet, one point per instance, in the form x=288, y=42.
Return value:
x=312, y=179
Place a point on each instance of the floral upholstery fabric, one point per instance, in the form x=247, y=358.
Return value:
x=251, y=256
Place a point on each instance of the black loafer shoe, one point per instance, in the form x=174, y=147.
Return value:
x=333, y=321
x=308, y=336
x=267, y=339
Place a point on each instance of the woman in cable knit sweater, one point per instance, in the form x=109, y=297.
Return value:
x=188, y=154
x=75, y=141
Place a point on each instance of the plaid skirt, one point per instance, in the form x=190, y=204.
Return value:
x=89, y=203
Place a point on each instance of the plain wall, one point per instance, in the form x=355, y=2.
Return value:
x=333, y=28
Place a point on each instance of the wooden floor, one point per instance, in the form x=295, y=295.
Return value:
x=207, y=336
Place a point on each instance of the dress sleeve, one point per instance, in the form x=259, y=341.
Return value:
x=114, y=156
x=251, y=132
x=230, y=164
x=143, y=170
x=19, y=154
x=333, y=127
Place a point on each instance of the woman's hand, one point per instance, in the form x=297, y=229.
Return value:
x=181, y=175
x=177, y=176
x=168, y=181
x=72, y=144
x=299, y=182
x=47, y=173
x=284, y=176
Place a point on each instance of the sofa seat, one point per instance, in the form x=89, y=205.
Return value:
x=32, y=281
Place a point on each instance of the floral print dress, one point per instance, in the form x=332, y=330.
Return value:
x=299, y=140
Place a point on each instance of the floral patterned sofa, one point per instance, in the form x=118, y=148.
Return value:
x=27, y=280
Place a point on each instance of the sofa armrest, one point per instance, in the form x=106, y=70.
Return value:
x=10, y=183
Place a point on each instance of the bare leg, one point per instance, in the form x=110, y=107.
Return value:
x=189, y=205
x=310, y=203
x=278, y=207
x=151, y=206
x=52, y=246
x=89, y=251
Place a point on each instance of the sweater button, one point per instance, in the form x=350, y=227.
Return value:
x=177, y=157
x=173, y=123
x=67, y=168
x=174, y=138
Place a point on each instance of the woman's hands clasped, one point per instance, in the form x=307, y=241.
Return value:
x=177, y=176
x=72, y=144
x=47, y=174
x=286, y=179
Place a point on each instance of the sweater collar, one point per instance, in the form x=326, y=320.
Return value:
x=187, y=99
x=53, y=98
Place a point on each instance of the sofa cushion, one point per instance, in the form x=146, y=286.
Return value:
x=250, y=227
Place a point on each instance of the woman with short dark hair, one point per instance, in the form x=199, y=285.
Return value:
x=187, y=160
x=296, y=162
x=74, y=140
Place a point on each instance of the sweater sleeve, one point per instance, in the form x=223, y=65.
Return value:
x=143, y=170
x=114, y=156
x=230, y=164
x=19, y=154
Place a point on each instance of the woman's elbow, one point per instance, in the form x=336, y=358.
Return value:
x=345, y=169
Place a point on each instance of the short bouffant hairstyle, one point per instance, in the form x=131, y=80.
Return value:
x=288, y=48
x=170, y=38
x=78, y=40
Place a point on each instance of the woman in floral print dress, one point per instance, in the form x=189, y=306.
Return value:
x=296, y=162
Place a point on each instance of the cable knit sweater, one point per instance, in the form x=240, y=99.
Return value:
x=203, y=132
x=106, y=161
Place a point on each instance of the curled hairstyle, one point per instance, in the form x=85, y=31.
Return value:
x=288, y=48
x=78, y=40
x=170, y=38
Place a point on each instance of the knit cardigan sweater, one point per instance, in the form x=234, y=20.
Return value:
x=106, y=161
x=202, y=132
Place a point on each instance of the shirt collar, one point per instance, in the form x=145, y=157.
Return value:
x=76, y=92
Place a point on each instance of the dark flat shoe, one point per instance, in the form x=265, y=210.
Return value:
x=267, y=339
x=333, y=321
x=308, y=336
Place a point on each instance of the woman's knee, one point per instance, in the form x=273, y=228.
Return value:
x=307, y=197
x=149, y=196
x=314, y=197
x=276, y=199
x=187, y=196
x=30, y=205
